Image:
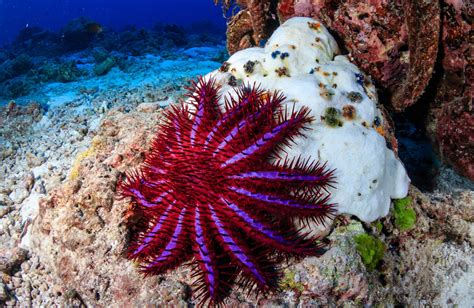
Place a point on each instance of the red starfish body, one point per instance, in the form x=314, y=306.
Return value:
x=214, y=190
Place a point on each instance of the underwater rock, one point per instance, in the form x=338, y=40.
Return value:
x=3, y=56
x=16, y=67
x=61, y=72
x=11, y=258
x=79, y=33
x=451, y=114
x=100, y=54
x=18, y=87
x=67, y=72
x=348, y=132
x=104, y=67
x=21, y=64
x=433, y=260
x=32, y=34
x=81, y=234
x=36, y=41
x=176, y=34
x=46, y=71
x=252, y=25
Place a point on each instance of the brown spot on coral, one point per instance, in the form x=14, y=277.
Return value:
x=354, y=97
x=348, y=112
x=224, y=67
x=232, y=81
x=314, y=25
x=249, y=66
x=282, y=71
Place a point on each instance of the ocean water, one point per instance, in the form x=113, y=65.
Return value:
x=50, y=50
x=54, y=14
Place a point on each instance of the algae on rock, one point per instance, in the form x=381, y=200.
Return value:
x=405, y=216
x=371, y=250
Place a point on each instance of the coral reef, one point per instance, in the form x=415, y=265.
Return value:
x=15, y=67
x=73, y=234
x=389, y=41
x=104, y=67
x=396, y=43
x=78, y=33
x=451, y=118
x=39, y=57
x=79, y=239
x=412, y=49
x=252, y=25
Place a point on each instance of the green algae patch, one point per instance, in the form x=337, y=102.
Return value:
x=288, y=282
x=405, y=216
x=371, y=250
x=378, y=226
x=332, y=117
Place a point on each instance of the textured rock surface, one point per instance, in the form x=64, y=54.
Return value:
x=451, y=121
x=39, y=151
x=82, y=230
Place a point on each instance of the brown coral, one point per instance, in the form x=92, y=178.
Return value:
x=400, y=44
x=252, y=25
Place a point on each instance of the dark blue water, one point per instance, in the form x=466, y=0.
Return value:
x=116, y=14
x=52, y=48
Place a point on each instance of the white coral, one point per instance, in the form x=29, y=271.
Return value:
x=301, y=60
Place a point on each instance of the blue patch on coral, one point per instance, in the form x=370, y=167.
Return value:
x=359, y=78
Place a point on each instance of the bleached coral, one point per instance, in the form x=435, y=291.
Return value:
x=301, y=60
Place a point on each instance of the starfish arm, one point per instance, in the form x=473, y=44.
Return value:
x=205, y=99
x=146, y=194
x=145, y=241
x=176, y=251
x=241, y=253
x=209, y=278
x=266, y=142
x=316, y=207
x=253, y=124
x=235, y=111
x=287, y=239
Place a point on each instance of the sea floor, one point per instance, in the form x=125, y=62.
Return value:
x=44, y=136
x=42, y=133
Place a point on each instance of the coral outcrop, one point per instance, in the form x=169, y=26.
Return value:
x=412, y=49
x=451, y=118
x=78, y=33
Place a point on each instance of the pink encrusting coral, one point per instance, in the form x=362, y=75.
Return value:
x=215, y=189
